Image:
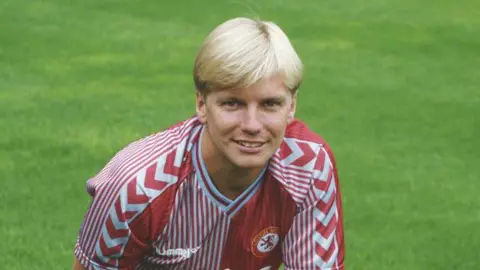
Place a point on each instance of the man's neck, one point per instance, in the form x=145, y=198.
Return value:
x=231, y=181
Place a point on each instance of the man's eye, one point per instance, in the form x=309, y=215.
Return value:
x=231, y=103
x=271, y=103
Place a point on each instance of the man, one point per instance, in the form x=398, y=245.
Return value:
x=241, y=185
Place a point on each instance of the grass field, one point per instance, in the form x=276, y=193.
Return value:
x=393, y=85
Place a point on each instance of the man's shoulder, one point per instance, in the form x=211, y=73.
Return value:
x=301, y=147
x=151, y=160
x=301, y=158
x=298, y=129
x=140, y=177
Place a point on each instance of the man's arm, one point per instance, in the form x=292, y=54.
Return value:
x=114, y=235
x=77, y=265
x=316, y=238
x=115, y=231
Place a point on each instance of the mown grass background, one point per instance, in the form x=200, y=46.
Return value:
x=392, y=85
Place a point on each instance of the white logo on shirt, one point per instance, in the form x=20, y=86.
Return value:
x=265, y=241
x=268, y=242
x=184, y=252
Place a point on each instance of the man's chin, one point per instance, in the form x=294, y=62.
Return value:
x=251, y=163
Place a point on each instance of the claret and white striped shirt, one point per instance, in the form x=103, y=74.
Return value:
x=155, y=207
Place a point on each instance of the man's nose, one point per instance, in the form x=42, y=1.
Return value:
x=251, y=123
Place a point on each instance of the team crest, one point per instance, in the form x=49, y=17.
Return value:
x=265, y=241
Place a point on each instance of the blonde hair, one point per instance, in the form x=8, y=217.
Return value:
x=240, y=52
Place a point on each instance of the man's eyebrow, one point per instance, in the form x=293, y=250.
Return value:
x=275, y=98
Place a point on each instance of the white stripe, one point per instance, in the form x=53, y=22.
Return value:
x=330, y=192
x=183, y=218
x=110, y=242
x=299, y=235
x=210, y=225
x=223, y=234
x=326, y=170
x=325, y=244
x=214, y=251
x=305, y=234
x=325, y=218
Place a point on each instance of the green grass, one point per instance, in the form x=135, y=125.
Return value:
x=394, y=86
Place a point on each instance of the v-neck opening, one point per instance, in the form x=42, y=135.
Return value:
x=206, y=184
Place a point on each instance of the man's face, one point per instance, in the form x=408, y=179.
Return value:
x=244, y=127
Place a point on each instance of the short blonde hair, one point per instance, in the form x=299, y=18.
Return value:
x=241, y=51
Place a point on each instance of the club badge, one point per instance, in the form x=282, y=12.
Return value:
x=265, y=241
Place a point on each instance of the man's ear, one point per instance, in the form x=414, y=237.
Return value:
x=201, y=108
x=293, y=108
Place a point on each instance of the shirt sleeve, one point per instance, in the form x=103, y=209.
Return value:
x=316, y=238
x=115, y=230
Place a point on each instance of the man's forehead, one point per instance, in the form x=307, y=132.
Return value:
x=247, y=95
x=265, y=90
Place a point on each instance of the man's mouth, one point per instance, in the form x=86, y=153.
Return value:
x=250, y=144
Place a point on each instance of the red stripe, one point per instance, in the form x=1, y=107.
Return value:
x=326, y=231
x=133, y=197
x=307, y=156
x=279, y=161
x=325, y=254
x=299, y=244
x=185, y=218
x=150, y=181
x=211, y=210
x=320, y=163
x=109, y=251
x=304, y=232
x=113, y=232
x=324, y=185
x=191, y=214
x=323, y=206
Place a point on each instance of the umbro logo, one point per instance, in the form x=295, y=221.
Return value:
x=183, y=252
